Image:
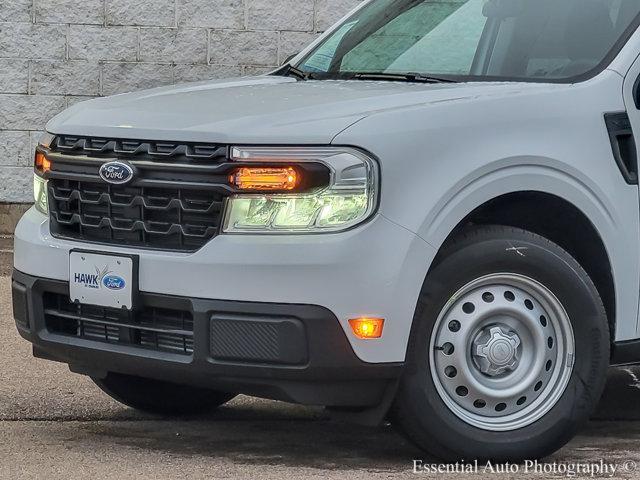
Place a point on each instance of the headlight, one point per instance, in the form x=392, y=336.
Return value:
x=40, y=194
x=41, y=166
x=349, y=198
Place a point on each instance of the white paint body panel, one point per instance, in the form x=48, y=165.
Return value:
x=374, y=270
x=464, y=152
x=443, y=151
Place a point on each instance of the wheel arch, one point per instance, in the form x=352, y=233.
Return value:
x=569, y=228
x=551, y=190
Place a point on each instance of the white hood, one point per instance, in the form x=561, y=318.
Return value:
x=267, y=109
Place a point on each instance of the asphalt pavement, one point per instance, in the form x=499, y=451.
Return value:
x=55, y=424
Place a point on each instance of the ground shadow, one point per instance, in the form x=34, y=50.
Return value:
x=267, y=437
x=271, y=433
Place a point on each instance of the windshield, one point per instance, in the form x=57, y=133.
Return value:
x=552, y=40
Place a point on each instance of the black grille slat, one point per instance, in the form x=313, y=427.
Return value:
x=142, y=200
x=93, y=212
x=131, y=226
x=151, y=328
x=132, y=149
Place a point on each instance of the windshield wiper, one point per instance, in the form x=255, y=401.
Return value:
x=292, y=71
x=402, y=77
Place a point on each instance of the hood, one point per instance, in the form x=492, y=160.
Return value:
x=267, y=109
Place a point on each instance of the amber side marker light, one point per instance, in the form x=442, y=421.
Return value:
x=42, y=163
x=367, y=328
x=265, y=178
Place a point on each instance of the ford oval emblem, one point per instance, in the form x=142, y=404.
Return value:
x=113, y=282
x=116, y=172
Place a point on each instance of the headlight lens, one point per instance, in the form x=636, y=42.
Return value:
x=349, y=199
x=41, y=166
x=40, y=194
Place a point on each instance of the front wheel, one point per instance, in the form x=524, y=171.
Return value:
x=509, y=349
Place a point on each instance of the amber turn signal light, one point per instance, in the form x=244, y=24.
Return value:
x=265, y=178
x=42, y=163
x=367, y=328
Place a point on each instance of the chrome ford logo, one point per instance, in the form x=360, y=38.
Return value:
x=113, y=282
x=116, y=172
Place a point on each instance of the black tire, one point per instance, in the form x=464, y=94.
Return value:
x=419, y=410
x=160, y=398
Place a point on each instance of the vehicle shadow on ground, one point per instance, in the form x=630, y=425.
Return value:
x=271, y=433
x=621, y=398
x=267, y=437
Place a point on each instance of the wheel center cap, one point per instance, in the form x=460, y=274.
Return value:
x=501, y=352
x=495, y=350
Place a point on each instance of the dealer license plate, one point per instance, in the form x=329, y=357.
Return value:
x=102, y=280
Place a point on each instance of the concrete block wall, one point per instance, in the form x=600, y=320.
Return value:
x=54, y=53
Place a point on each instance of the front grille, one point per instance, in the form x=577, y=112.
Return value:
x=174, y=203
x=162, y=218
x=150, y=328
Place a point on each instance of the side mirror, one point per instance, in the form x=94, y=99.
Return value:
x=289, y=58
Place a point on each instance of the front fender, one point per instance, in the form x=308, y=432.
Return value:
x=439, y=162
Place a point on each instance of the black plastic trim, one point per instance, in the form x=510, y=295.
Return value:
x=249, y=339
x=636, y=92
x=132, y=149
x=214, y=177
x=625, y=353
x=623, y=145
x=20, y=311
x=332, y=374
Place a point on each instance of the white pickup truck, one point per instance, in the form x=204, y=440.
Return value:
x=430, y=215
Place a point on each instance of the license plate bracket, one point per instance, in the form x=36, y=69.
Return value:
x=103, y=279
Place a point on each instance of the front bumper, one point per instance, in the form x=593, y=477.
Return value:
x=322, y=369
x=374, y=270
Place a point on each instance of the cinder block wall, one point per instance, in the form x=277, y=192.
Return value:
x=54, y=53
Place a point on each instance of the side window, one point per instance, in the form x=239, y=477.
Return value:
x=555, y=45
x=432, y=37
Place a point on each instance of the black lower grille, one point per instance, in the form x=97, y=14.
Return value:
x=150, y=328
x=147, y=217
x=257, y=339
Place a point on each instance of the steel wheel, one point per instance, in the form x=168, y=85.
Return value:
x=502, y=352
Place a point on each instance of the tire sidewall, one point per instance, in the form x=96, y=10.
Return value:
x=496, y=251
